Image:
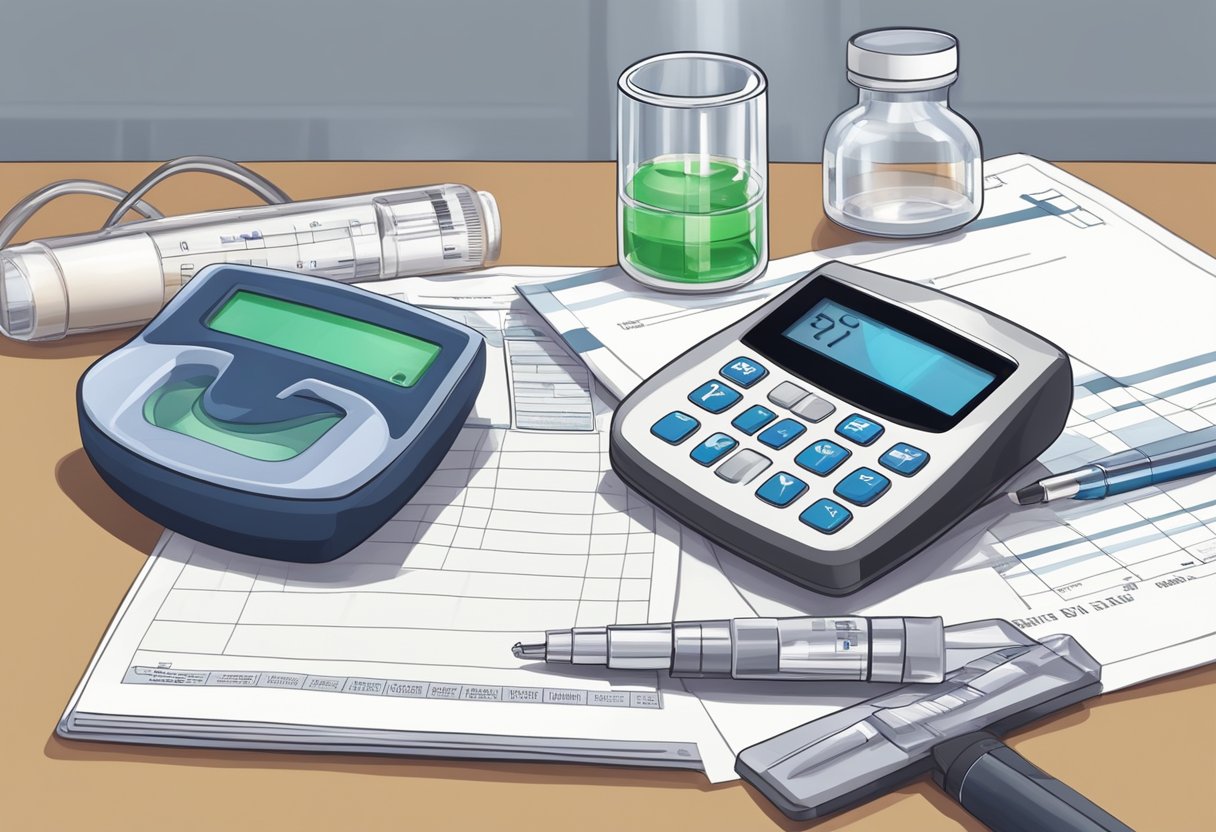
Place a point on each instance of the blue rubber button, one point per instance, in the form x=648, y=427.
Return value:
x=754, y=418
x=826, y=516
x=714, y=396
x=712, y=449
x=861, y=430
x=744, y=371
x=675, y=427
x=823, y=457
x=862, y=487
x=782, y=433
x=904, y=459
x=781, y=489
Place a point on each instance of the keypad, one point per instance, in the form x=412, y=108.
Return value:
x=675, y=427
x=713, y=448
x=776, y=415
x=743, y=467
x=826, y=516
x=744, y=371
x=904, y=459
x=781, y=489
x=814, y=409
x=859, y=429
x=714, y=396
x=823, y=457
x=787, y=394
x=754, y=418
x=862, y=487
x=782, y=433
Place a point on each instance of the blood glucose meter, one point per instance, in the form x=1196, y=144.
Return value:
x=278, y=415
x=837, y=430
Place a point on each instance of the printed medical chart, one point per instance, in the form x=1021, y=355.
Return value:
x=1132, y=577
x=522, y=528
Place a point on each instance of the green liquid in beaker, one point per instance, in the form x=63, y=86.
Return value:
x=689, y=220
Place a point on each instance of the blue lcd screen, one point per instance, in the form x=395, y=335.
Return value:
x=943, y=381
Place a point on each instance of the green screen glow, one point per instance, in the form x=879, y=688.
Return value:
x=178, y=406
x=347, y=342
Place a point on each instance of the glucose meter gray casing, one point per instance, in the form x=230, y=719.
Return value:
x=969, y=454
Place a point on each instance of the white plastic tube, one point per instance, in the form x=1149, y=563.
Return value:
x=123, y=275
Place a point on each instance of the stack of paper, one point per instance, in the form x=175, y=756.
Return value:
x=403, y=645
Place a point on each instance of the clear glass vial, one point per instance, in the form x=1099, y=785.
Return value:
x=902, y=163
x=692, y=164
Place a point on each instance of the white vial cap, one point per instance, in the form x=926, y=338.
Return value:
x=902, y=59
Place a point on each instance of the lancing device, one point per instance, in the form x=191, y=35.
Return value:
x=1157, y=462
x=847, y=648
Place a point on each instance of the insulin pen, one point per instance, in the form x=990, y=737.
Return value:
x=1152, y=464
x=847, y=648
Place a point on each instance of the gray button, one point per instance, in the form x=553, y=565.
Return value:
x=743, y=466
x=814, y=409
x=786, y=394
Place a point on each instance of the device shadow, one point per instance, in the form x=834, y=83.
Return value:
x=448, y=768
x=480, y=771
x=921, y=788
x=77, y=346
x=80, y=482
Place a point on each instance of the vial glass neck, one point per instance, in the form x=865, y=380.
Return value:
x=936, y=96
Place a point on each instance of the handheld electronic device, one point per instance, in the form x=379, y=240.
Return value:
x=834, y=432
x=278, y=415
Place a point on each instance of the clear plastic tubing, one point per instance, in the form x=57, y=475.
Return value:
x=902, y=163
x=123, y=275
x=692, y=168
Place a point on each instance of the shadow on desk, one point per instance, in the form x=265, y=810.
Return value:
x=76, y=346
x=475, y=771
x=544, y=774
x=80, y=482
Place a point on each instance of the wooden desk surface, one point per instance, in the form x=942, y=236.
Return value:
x=71, y=549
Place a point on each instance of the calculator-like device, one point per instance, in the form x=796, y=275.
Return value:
x=844, y=425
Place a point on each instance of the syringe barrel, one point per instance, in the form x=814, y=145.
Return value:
x=124, y=275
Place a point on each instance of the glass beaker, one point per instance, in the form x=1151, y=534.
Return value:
x=692, y=169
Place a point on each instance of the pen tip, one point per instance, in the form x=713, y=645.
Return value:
x=528, y=651
x=1029, y=495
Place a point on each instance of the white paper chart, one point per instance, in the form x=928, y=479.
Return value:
x=522, y=528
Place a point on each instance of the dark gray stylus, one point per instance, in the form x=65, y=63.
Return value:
x=1007, y=794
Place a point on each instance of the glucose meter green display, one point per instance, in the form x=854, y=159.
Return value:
x=357, y=345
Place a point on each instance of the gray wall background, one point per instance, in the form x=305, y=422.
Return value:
x=535, y=79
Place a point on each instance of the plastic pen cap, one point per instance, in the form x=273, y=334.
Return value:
x=439, y=228
x=924, y=650
x=16, y=301
x=489, y=214
x=902, y=59
x=33, y=302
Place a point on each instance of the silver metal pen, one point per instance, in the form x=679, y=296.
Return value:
x=832, y=648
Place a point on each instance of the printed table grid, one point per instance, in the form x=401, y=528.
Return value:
x=1100, y=546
